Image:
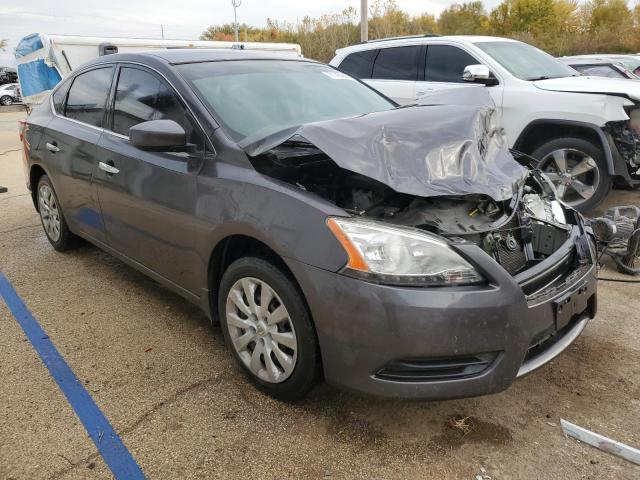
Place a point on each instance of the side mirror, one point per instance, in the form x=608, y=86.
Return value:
x=158, y=135
x=478, y=74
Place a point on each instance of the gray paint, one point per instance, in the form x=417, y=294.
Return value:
x=164, y=214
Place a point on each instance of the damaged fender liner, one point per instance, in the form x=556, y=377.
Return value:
x=425, y=151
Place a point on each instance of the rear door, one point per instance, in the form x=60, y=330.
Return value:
x=71, y=140
x=149, y=204
x=396, y=70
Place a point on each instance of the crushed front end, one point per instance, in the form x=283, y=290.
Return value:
x=624, y=139
x=535, y=288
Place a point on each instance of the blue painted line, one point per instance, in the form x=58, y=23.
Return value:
x=109, y=444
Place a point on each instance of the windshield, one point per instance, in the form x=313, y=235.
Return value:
x=526, y=62
x=255, y=98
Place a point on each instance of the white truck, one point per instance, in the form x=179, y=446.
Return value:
x=43, y=60
x=584, y=130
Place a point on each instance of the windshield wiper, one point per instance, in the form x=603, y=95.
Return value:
x=541, y=77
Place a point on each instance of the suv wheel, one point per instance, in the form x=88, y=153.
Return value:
x=53, y=222
x=6, y=100
x=266, y=325
x=578, y=170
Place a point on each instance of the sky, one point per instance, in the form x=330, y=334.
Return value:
x=184, y=19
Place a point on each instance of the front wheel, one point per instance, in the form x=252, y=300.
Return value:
x=6, y=100
x=578, y=170
x=266, y=325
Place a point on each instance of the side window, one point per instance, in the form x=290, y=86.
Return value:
x=359, y=64
x=397, y=63
x=59, y=96
x=88, y=96
x=141, y=96
x=446, y=63
x=598, y=71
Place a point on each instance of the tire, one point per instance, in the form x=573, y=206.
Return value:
x=6, y=100
x=51, y=216
x=253, y=341
x=570, y=185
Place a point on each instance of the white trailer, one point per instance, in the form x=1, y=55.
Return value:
x=43, y=60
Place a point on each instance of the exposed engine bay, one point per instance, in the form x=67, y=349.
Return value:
x=626, y=136
x=517, y=233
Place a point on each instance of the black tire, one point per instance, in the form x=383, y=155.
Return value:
x=67, y=240
x=306, y=370
x=604, y=183
x=6, y=100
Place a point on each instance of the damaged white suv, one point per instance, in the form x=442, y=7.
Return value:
x=584, y=130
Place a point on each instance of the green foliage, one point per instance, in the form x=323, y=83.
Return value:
x=561, y=27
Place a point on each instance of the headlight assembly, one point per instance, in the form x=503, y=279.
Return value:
x=400, y=256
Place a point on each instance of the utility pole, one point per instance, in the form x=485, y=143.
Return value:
x=236, y=4
x=162, y=30
x=364, y=23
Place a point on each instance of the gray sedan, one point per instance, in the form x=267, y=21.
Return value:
x=396, y=251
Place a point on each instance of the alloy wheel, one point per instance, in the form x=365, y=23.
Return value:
x=574, y=173
x=6, y=101
x=49, y=212
x=261, y=330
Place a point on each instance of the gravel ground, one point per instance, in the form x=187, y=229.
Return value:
x=163, y=378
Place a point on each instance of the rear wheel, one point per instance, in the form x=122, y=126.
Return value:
x=6, y=100
x=578, y=170
x=52, y=218
x=267, y=327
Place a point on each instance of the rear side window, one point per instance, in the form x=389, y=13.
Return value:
x=446, y=63
x=142, y=96
x=598, y=71
x=359, y=64
x=59, y=97
x=397, y=63
x=88, y=96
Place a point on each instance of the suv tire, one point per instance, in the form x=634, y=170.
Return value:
x=583, y=189
x=6, y=100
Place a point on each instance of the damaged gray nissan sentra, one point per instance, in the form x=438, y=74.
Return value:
x=397, y=251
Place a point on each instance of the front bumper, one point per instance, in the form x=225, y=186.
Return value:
x=368, y=331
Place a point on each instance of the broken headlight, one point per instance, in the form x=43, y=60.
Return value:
x=400, y=256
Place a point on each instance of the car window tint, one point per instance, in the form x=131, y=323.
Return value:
x=11, y=87
x=135, y=100
x=598, y=71
x=359, y=64
x=446, y=63
x=59, y=96
x=142, y=96
x=397, y=63
x=88, y=96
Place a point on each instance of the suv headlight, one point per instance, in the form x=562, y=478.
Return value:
x=400, y=256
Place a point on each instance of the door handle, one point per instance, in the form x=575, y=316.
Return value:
x=52, y=147
x=108, y=167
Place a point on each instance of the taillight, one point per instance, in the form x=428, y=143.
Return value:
x=22, y=128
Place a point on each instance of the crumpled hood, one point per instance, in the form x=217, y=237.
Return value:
x=429, y=150
x=601, y=85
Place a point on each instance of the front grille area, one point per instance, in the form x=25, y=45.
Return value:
x=436, y=369
x=506, y=246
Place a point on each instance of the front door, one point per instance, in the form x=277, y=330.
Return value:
x=148, y=198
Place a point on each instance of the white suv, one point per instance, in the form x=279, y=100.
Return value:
x=584, y=130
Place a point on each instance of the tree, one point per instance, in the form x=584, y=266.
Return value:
x=464, y=19
x=3, y=44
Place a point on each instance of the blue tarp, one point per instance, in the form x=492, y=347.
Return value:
x=36, y=77
x=29, y=44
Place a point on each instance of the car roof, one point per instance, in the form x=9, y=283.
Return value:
x=469, y=39
x=176, y=56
